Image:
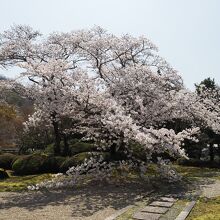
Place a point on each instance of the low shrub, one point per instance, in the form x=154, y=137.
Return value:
x=52, y=164
x=31, y=164
x=6, y=160
x=198, y=163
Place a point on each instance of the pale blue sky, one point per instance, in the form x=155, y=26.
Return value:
x=187, y=32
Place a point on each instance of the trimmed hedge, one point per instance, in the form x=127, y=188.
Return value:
x=6, y=160
x=197, y=163
x=31, y=164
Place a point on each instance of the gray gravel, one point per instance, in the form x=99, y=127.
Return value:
x=89, y=203
x=211, y=190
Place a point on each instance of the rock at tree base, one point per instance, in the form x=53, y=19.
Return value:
x=3, y=175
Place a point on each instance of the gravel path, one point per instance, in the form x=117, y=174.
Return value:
x=211, y=190
x=93, y=202
x=90, y=203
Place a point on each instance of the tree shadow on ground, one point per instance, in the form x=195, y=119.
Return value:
x=86, y=200
x=189, y=188
x=83, y=201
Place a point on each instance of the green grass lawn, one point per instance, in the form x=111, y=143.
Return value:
x=206, y=209
x=18, y=183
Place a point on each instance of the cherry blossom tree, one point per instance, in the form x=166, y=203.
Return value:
x=114, y=90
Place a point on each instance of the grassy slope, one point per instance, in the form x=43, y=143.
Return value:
x=18, y=183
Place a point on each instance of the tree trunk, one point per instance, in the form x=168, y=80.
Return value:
x=57, y=138
x=66, y=150
x=199, y=153
x=113, y=151
x=218, y=150
x=211, y=152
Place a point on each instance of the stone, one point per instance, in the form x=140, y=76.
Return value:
x=146, y=216
x=154, y=209
x=167, y=199
x=3, y=174
x=162, y=204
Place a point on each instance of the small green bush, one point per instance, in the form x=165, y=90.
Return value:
x=52, y=164
x=31, y=164
x=6, y=160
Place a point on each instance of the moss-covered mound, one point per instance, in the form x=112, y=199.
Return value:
x=79, y=147
x=79, y=159
x=6, y=160
x=74, y=161
x=31, y=164
x=52, y=164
